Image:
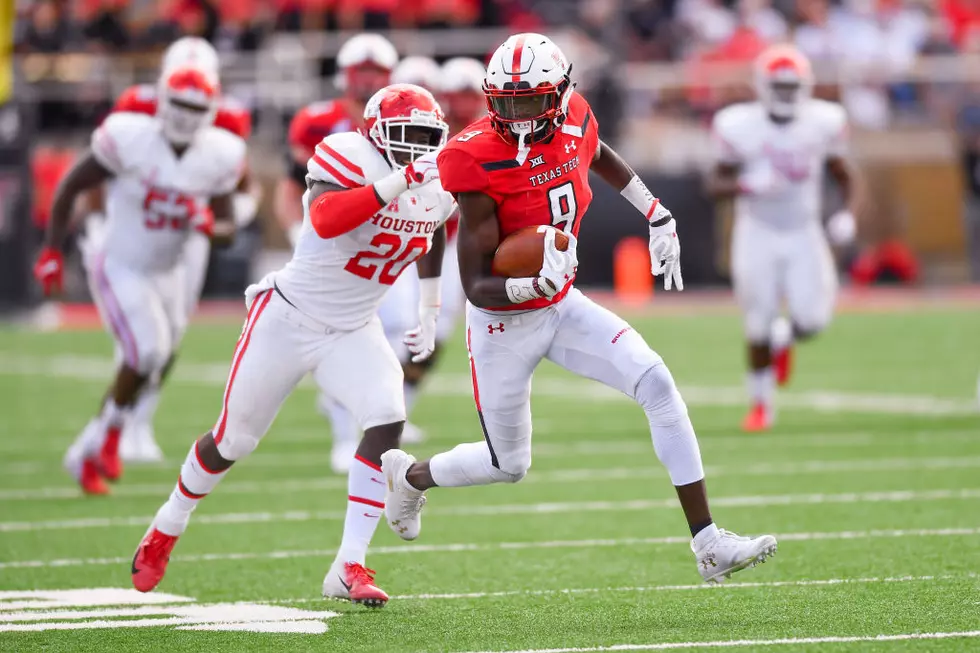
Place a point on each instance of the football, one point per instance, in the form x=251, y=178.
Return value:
x=521, y=254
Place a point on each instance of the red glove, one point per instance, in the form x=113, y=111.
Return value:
x=50, y=270
x=203, y=222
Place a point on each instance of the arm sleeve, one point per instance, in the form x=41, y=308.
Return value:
x=459, y=172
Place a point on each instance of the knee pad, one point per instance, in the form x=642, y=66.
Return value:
x=810, y=324
x=153, y=357
x=235, y=444
x=657, y=393
x=513, y=465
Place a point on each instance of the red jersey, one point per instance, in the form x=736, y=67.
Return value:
x=230, y=116
x=550, y=187
x=316, y=121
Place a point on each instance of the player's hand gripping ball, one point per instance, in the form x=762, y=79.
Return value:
x=521, y=254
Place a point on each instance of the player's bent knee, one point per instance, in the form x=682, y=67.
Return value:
x=657, y=393
x=758, y=325
x=807, y=326
x=514, y=465
x=235, y=446
x=153, y=358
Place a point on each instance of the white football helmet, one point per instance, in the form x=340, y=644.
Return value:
x=191, y=52
x=421, y=71
x=187, y=99
x=783, y=80
x=364, y=65
x=404, y=122
x=528, y=88
x=461, y=74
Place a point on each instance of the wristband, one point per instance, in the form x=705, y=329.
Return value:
x=391, y=186
x=430, y=292
x=637, y=193
x=523, y=289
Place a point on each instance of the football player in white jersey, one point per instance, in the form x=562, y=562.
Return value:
x=770, y=156
x=370, y=209
x=138, y=443
x=166, y=175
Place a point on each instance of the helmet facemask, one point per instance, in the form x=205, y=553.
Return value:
x=186, y=105
x=405, y=139
x=528, y=115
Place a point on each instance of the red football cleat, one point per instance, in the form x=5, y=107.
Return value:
x=90, y=479
x=150, y=561
x=109, y=461
x=359, y=582
x=758, y=419
x=782, y=361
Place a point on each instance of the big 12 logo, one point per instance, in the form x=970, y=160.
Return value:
x=164, y=209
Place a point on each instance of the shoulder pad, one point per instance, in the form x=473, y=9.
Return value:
x=118, y=137
x=347, y=159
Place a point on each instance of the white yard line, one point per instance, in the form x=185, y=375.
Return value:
x=821, y=582
x=765, y=500
x=83, y=368
x=482, y=547
x=548, y=476
x=752, y=643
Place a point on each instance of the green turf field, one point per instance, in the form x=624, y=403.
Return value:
x=871, y=481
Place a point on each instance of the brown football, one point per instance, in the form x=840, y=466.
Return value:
x=521, y=254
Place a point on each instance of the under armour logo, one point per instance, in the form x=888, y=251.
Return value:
x=569, y=147
x=537, y=161
x=708, y=561
x=491, y=328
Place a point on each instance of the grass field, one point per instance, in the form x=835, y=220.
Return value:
x=871, y=481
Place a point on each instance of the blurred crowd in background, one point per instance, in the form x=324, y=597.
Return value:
x=907, y=71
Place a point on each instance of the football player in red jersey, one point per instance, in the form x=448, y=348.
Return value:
x=524, y=164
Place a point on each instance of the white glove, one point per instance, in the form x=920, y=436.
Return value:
x=842, y=228
x=421, y=340
x=760, y=180
x=665, y=254
x=558, y=267
x=422, y=171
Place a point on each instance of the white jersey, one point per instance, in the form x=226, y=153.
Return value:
x=793, y=154
x=341, y=281
x=154, y=195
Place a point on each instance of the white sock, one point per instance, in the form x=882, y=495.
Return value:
x=780, y=334
x=762, y=385
x=705, y=535
x=342, y=424
x=671, y=430
x=194, y=483
x=466, y=464
x=411, y=391
x=365, y=503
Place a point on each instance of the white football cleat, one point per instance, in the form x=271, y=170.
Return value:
x=138, y=444
x=342, y=455
x=412, y=434
x=351, y=581
x=403, y=503
x=719, y=558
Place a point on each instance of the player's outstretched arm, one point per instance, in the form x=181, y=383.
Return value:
x=87, y=173
x=421, y=340
x=665, y=248
x=842, y=225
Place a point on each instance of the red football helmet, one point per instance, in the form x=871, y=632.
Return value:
x=528, y=88
x=404, y=122
x=188, y=99
x=783, y=80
